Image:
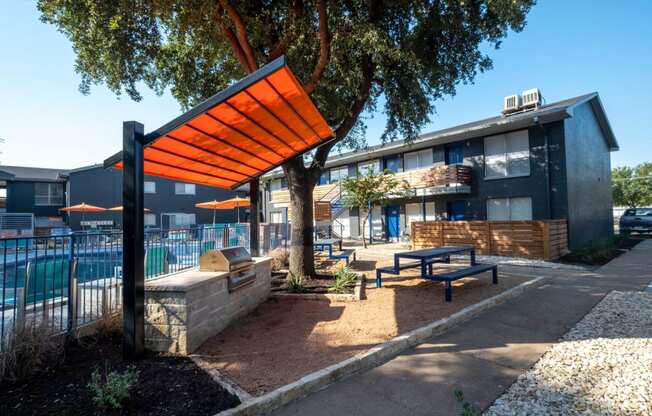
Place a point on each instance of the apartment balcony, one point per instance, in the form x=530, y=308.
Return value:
x=436, y=180
x=439, y=180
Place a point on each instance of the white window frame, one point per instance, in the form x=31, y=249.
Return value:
x=50, y=200
x=181, y=188
x=149, y=187
x=336, y=174
x=363, y=167
x=424, y=159
x=508, y=157
x=508, y=202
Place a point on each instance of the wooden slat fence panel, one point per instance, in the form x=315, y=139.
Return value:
x=532, y=239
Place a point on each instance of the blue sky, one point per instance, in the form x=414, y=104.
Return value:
x=568, y=48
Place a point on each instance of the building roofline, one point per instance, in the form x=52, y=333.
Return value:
x=548, y=113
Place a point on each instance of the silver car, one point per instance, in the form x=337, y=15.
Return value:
x=636, y=220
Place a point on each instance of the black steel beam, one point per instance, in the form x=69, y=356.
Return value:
x=133, y=248
x=254, y=233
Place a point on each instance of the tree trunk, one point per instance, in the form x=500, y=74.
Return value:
x=364, y=228
x=301, y=185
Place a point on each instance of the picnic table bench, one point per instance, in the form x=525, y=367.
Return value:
x=346, y=255
x=427, y=257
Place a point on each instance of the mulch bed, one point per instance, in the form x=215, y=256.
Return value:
x=167, y=385
x=319, y=284
x=601, y=253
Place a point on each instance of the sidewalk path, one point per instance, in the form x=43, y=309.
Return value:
x=483, y=356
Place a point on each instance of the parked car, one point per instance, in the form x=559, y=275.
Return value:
x=636, y=220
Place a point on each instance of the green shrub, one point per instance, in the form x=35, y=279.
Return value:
x=112, y=388
x=596, y=252
x=344, y=279
x=295, y=283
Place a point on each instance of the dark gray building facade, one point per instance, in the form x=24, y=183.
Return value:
x=550, y=162
x=43, y=192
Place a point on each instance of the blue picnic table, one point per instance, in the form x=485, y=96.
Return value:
x=427, y=257
x=327, y=244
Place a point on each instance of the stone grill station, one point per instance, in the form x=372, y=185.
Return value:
x=183, y=310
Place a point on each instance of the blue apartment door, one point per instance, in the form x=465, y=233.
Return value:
x=454, y=153
x=392, y=213
x=456, y=210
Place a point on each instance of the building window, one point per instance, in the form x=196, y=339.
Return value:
x=48, y=194
x=181, y=220
x=149, y=187
x=509, y=209
x=393, y=163
x=418, y=160
x=369, y=165
x=339, y=174
x=150, y=220
x=278, y=184
x=184, y=188
x=507, y=155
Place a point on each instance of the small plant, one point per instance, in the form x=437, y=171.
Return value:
x=280, y=259
x=344, y=279
x=467, y=408
x=295, y=283
x=112, y=388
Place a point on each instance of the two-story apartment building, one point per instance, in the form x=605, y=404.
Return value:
x=545, y=162
x=42, y=192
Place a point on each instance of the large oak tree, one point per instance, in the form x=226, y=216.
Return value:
x=348, y=53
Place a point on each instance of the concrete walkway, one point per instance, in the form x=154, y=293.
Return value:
x=483, y=356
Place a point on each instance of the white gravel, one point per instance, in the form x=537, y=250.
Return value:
x=603, y=366
x=519, y=261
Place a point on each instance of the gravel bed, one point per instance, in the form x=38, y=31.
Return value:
x=603, y=366
x=518, y=261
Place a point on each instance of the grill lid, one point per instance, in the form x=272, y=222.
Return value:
x=224, y=259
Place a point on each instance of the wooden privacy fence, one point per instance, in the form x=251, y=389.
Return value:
x=546, y=239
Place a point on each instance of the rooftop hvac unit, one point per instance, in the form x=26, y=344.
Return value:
x=531, y=98
x=512, y=103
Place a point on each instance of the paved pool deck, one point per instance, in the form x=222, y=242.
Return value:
x=483, y=356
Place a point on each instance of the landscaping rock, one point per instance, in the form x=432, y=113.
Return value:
x=603, y=366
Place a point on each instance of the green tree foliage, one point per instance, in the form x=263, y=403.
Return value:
x=632, y=187
x=347, y=54
x=369, y=189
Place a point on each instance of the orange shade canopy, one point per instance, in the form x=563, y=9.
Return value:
x=227, y=204
x=238, y=134
x=121, y=208
x=83, y=207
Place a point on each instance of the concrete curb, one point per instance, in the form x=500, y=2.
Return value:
x=371, y=358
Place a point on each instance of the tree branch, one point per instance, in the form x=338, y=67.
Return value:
x=233, y=41
x=324, y=48
x=279, y=49
x=241, y=34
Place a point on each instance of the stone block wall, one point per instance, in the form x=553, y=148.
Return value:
x=185, y=309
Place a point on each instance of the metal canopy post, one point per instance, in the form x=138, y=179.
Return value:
x=133, y=249
x=254, y=243
x=423, y=205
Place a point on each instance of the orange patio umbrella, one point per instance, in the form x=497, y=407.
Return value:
x=233, y=203
x=83, y=208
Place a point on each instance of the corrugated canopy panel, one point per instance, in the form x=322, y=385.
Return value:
x=238, y=134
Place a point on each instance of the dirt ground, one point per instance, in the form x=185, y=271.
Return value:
x=283, y=340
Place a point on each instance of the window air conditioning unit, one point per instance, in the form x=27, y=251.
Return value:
x=531, y=98
x=512, y=103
